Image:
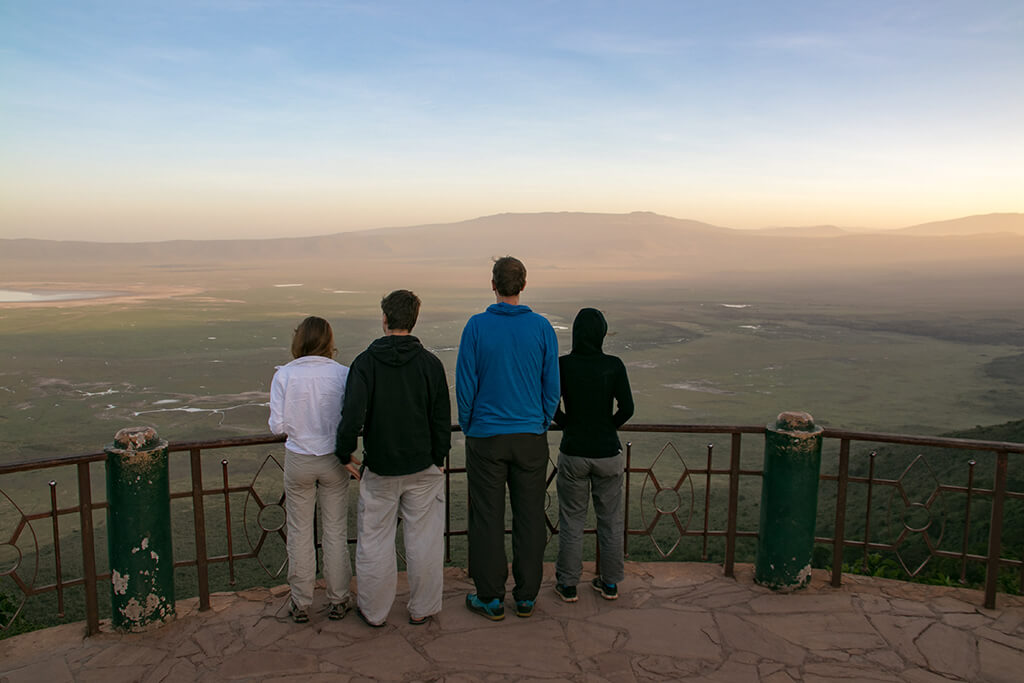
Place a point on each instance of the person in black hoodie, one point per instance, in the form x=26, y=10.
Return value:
x=397, y=394
x=596, y=401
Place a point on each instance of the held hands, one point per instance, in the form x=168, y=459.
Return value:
x=353, y=467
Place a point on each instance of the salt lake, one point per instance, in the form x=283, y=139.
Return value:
x=11, y=296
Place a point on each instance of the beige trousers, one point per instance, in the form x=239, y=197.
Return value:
x=309, y=479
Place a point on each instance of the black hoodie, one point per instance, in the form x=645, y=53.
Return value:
x=397, y=393
x=596, y=399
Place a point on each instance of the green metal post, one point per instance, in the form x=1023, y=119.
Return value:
x=139, y=530
x=789, y=502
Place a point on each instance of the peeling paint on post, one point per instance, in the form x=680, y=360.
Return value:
x=139, y=527
x=789, y=502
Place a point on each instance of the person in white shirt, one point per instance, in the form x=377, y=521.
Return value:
x=305, y=403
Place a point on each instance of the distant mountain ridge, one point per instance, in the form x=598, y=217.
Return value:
x=568, y=246
x=992, y=223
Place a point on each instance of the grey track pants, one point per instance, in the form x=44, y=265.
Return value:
x=580, y=479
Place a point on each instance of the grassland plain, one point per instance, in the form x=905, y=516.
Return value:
x=198, y=365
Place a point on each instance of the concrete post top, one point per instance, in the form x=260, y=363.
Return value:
x=794, y=421
x=136, y=439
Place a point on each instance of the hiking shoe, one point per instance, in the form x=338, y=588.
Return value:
x=608, y=591
x=493, y=610
x=337, y=611
x=524, y=608
x=299, y=616
x=567, y=593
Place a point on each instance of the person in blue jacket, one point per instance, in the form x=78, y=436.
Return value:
x=507, y=390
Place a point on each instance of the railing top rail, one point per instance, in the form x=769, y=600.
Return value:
x=44, y=463
x=255, y=440
x=694, y=428
x=267, y=438
x=937, y=441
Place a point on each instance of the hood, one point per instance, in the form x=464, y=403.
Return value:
x=395, y=349
x=588, y=331
x=508, y=309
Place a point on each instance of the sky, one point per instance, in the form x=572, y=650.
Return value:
x=141, y=120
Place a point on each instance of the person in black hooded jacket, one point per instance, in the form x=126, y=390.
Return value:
x=397, y=393
x=596, y=401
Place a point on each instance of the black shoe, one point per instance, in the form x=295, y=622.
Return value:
x=608, y=591
x=567, y=593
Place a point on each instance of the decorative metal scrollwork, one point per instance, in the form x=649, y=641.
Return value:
x=549, y=503
x=667, y=500
x=268, y=528
x=917, y=517
x=17, y=578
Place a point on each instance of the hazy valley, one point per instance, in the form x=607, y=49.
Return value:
x=878, y=332
x=882, y=331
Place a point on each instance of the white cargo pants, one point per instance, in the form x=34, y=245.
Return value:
x=419, y=500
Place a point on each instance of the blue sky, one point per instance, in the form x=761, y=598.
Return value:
x=157, y=120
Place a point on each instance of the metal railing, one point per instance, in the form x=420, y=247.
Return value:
x=901, y=493
x=657, y=489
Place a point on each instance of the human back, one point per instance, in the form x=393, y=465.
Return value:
x=305, y=403
x=595, y=391
x=507, y=389
x=509, y=363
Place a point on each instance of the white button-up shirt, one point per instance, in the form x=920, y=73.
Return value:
x=305, y=403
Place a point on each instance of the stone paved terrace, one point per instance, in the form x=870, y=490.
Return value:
x=673, y=621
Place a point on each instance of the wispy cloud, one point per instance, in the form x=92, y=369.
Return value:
x=799, y=42
x=612, y=44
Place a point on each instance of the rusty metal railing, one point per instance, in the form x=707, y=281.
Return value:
x=901, y=493
x=686, y=478
x=662, y=490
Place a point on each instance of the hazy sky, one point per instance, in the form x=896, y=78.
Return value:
x=142, y=120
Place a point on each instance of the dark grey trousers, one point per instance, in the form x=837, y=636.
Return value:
x=580, y=479
x=518, y=461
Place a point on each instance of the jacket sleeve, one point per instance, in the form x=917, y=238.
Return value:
x=276, y=421
x=560, y=418
x=466, y=376
x=551, y=387
x=440, y=417
x=353, y=412
x=623, y=397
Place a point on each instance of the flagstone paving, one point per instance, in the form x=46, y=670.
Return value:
x=672, y=622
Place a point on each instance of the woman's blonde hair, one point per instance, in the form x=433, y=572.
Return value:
x=313, y=337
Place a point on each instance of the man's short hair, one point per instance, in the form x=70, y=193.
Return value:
x=401, y=308
x=509, y=276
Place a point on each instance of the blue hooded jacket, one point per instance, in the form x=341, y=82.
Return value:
x=506, y=375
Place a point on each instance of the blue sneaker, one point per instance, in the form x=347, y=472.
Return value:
x=524, y=608
x=493, y=610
